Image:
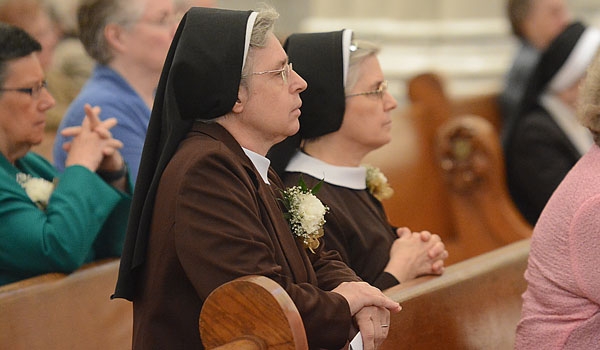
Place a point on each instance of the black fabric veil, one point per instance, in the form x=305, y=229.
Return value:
x=550, y=62
x=199, y=81
x=318, y=58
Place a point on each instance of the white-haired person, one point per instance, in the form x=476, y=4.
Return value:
x=128, y=41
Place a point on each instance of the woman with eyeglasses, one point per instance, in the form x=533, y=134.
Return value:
x=346, y=113
x=52, y=222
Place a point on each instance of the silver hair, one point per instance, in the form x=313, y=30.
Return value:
x=364, y=49
x=263, y=25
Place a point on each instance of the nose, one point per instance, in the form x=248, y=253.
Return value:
x=389, y=102
x=46, y=101
x=298, y=83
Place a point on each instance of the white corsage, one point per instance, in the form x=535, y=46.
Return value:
x=39, y=190
x=377, y=183
x=305, y=213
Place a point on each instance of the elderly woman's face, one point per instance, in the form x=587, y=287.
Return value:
x=367, y=120
x=23, y=116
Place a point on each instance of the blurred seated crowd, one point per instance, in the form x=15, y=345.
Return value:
x=96, y=72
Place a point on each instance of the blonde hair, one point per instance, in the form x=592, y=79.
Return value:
x=588, y=106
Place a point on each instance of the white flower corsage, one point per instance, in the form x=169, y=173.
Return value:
x=305, y=213
x=38, y=189
x=377, y=183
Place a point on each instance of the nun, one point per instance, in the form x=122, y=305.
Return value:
x=544, y=142
x=206, y=207
x=346, y=114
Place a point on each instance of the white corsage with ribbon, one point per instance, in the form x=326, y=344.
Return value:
x=305, y=213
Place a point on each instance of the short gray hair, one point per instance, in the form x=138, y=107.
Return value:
x=363, y=50
x=263, y=25
x=94, y=15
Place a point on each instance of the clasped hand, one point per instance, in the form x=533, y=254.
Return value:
x=415, y=254
x=370, y=309
x=92, y=145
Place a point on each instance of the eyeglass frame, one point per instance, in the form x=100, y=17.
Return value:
x=34, y=91
x=285, y=72
x=163, y=22
x=379, y=92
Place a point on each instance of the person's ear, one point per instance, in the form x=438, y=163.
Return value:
x=113, y=33
x=242, y=98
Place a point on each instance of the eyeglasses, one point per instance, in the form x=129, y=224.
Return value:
x=379, y=92
x=34, y=92
x=163, y=21
x=285, y=72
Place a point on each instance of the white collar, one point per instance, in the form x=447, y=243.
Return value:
x=350, y=177
x=564, y=116
x=261, y=164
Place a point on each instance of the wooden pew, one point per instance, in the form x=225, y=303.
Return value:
x=448, y=171
x=57, y=311
x=251, y=313
x=475, y=304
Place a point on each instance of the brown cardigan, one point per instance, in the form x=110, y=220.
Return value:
x=215, y=220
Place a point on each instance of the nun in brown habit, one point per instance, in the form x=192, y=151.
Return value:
x=205, y=207
x=346, y=114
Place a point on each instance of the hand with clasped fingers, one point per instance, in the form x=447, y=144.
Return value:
x=414, y=254
x=93, y=146
x=370, y=309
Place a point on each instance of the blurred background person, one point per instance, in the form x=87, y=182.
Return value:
x=52, y=222
x=346, y=114
x=129, y=41
x=535, y=23
x=561, y=303
x=545, y=140
x=33, y=16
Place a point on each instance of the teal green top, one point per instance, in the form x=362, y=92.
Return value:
x=85, y=220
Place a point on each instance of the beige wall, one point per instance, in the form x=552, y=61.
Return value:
x=466, y=41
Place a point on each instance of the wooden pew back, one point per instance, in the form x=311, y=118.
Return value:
x=57, y=311
x=475, y=304
x=448, y=171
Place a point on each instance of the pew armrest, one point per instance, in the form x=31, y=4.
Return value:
x=251, y=312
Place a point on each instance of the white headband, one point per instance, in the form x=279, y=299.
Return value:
x=346, y=41
x=576, y=64
x=249, y=27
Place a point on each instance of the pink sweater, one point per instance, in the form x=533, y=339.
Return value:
x=561, y=307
